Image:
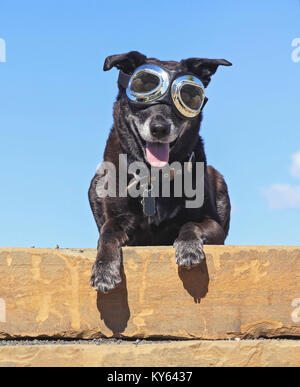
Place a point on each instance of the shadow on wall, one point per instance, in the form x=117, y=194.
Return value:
x=195, y=281
x=114, y=309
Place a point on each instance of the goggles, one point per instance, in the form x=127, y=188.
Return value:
x=151, y=84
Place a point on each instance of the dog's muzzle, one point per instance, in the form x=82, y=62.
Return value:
x=151, y=84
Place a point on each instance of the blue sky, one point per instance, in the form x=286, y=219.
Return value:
x=56, y=108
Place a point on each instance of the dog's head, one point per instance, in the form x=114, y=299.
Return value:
x=159, y=125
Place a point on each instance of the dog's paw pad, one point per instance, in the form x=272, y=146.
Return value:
x=105, y=276
x=188, y=253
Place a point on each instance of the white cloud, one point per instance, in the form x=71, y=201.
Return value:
x=295, y=167
x=282, y=196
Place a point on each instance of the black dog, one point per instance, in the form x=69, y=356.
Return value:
x=121, y=220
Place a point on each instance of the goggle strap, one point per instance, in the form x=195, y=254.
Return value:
x=204, y=103
x=123, y=79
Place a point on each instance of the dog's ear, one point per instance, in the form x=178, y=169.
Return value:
x=204, y=68
x=126, y=62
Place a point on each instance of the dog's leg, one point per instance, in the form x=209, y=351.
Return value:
x=222, y=201
x=106, y=269
x=96, y=202
x=192, y=236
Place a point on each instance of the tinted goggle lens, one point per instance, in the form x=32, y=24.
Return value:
x=144, y=82
x=192, y=96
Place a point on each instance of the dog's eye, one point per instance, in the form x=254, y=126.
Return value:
x=144, y=82
x=192, y=96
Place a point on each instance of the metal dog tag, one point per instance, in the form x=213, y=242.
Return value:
x=148, y=203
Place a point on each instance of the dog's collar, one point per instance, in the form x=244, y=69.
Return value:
x=146, y=181
x=148, y=201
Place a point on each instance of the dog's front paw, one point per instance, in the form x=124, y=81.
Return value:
x=105, y=275
x=188, y=253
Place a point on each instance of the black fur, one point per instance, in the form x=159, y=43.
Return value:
x=121, y=220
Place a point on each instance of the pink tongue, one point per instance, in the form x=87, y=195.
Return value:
x=157, y=154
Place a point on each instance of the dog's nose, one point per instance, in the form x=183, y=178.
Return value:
x=160, y=129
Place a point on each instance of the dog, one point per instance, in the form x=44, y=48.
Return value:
x=155, y=133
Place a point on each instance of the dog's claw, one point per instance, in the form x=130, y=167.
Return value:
x=105, y=276
x=188, y=253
